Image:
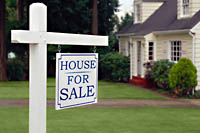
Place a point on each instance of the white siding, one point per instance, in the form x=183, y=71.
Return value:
x=197, y=52
x=147, y=9
x=194, y=8
x=123, y=46
x=163, y=42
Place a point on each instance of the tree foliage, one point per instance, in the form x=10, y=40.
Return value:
x=128, y=18
x=67, y=16
x=2, y=41
x=15, y=69
x=70, y=16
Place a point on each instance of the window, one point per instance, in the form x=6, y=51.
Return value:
x=138, y=13
x=175, y=50
x=185, y=7
x=151, y=51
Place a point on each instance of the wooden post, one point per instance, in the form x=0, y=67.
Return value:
x=38, y=71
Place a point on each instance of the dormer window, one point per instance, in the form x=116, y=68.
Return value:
x=138, y=13
x=185, y=8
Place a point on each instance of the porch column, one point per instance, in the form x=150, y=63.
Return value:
x=131, y=59
x=142, y=59
x=135, y=59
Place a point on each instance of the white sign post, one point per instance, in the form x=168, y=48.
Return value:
x=38, y=38
x=76, y=82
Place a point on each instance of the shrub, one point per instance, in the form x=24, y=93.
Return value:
x=15, y=70
x=115, y=67
x=148, y=66
x=160, y=73
x=183, y=77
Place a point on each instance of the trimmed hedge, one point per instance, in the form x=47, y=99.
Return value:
x=15, y=70
x=114, y=67
x=183, y=77
x=159, y=73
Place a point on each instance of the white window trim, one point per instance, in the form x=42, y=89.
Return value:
x=181, y=8
x=169, y=50
x=154, y=51
x=136, y=17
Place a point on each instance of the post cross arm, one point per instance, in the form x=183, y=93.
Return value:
x=22, y=36
x=25, y=36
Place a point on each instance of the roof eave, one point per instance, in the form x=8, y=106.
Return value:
x=171, y=32
x=127, y=34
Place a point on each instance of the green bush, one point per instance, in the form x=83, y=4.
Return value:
x=183, y=77
x=148, y=67
x=159, y=73
x=15, y=70
x=114, y=67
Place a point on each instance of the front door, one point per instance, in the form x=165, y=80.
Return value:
x=139, y=65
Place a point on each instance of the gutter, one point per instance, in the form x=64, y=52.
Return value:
x=171, y=32
x=129, y=34
x=193, y=46
x=156, y=33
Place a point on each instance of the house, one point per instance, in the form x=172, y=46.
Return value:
x=162, y=29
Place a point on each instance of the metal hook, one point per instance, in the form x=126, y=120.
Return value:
x=59, y=48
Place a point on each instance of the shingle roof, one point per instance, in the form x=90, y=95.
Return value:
x=163, y=19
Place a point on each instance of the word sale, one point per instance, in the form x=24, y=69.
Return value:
x=77, y=92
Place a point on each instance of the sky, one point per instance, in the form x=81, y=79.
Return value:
x=125, y=6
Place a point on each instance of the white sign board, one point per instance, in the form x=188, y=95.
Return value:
x=76, y=79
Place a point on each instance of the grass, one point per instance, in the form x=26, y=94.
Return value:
x=132, y=120
x=19, y=89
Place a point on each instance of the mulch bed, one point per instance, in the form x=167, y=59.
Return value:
x=165, y=93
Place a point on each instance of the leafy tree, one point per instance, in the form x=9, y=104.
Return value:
x=125, y=20
x=20, y=9
x=13, y=23
x=95, y=18
x=70, y=16
x=107, y=19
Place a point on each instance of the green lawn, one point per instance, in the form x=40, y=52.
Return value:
x=19, y=89
x=132, y=120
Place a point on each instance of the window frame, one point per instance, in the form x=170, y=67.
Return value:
x=153, y=51
x=185, y=7
x=138, y=14
x=175, y=56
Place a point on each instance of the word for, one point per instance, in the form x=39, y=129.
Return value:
x=77, y=79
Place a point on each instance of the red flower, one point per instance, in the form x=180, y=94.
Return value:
x=175, y=91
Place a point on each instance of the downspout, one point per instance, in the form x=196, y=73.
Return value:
x=193, y=47
x=193, y=52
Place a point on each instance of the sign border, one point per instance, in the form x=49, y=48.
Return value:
x=58, y=105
